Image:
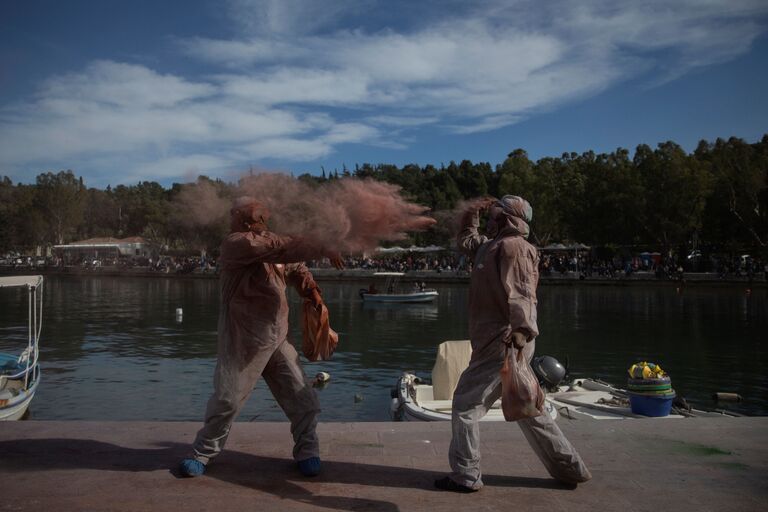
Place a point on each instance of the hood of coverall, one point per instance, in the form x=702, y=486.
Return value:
x=248, y=214
x=510, y=215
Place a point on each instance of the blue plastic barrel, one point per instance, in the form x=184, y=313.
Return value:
x=654, y=406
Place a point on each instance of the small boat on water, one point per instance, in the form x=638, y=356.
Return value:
x=591, y=399
x=20, y=373
x=392, y=292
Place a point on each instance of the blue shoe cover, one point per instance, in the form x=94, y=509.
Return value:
x=191, y=467
x=310, y=466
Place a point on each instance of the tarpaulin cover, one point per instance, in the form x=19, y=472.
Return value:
x=452, y=359
x=521, y=395
x=320, y=340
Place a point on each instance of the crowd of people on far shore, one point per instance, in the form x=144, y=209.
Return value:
x=583, y=264
x=662, y=268
x=551, y=264
x=405, y=262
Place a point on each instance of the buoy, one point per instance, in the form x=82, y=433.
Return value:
x=727, y=397
x=323, y=377
x=358, y=397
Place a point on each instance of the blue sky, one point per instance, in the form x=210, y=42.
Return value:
x=124, y=91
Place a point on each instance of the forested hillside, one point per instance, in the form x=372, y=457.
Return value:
x=663, y=198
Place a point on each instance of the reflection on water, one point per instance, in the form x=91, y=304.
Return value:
x=112, y=348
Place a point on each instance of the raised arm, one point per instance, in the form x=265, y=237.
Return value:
x=469, y=238
x=244, y=248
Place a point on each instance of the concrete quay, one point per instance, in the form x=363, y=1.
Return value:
x=654, y=465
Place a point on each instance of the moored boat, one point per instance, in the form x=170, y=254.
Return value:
x=20, y=373
x=591, y=399
x=393, y=293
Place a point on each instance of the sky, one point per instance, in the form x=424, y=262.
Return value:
x=126, y=91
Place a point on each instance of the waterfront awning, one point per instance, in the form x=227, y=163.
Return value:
x=413, y=248
x=390, y=250
x=88, y=246
x=563, y=247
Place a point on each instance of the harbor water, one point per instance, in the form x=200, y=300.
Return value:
x=115, y=348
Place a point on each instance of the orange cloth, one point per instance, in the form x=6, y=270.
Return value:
x=320, y=340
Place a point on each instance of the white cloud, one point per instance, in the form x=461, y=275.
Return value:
x=290, y=16
x=499, y=59
x=402, y=121
x=188, y=166
x=484, y=125
x=298, y=85
x=123, y=85
x=299, y=150
x=302, y=78
x=349, y=132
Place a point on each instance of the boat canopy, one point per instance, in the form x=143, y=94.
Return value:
x=20, y=281
x=389, y=274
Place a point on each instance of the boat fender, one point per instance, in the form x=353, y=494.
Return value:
x=727, y=397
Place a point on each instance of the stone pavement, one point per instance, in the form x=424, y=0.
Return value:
x=645, y=465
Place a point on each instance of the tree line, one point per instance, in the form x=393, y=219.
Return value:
x=715, y=197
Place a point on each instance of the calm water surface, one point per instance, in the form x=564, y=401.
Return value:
x=113, y=350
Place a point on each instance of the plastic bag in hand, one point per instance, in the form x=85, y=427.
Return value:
x=521, y=395
x=319, y=339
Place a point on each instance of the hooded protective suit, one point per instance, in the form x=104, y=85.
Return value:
x=256, y=265
x=502, y=307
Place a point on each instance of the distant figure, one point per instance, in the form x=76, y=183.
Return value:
x=372, y=289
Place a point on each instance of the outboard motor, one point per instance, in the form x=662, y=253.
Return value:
x=549, y=371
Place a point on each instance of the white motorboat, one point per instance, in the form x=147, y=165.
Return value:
x=413, y=400
x=392, y=292
x=416, y=400
x=20, y=373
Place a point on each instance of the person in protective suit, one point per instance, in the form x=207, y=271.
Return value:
x=502, y=311
x=255, y=266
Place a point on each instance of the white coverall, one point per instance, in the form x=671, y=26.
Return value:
x=252, y=339
x=502, y=300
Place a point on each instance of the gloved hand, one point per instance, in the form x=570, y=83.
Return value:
x=516, y=339
x=486, y=203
